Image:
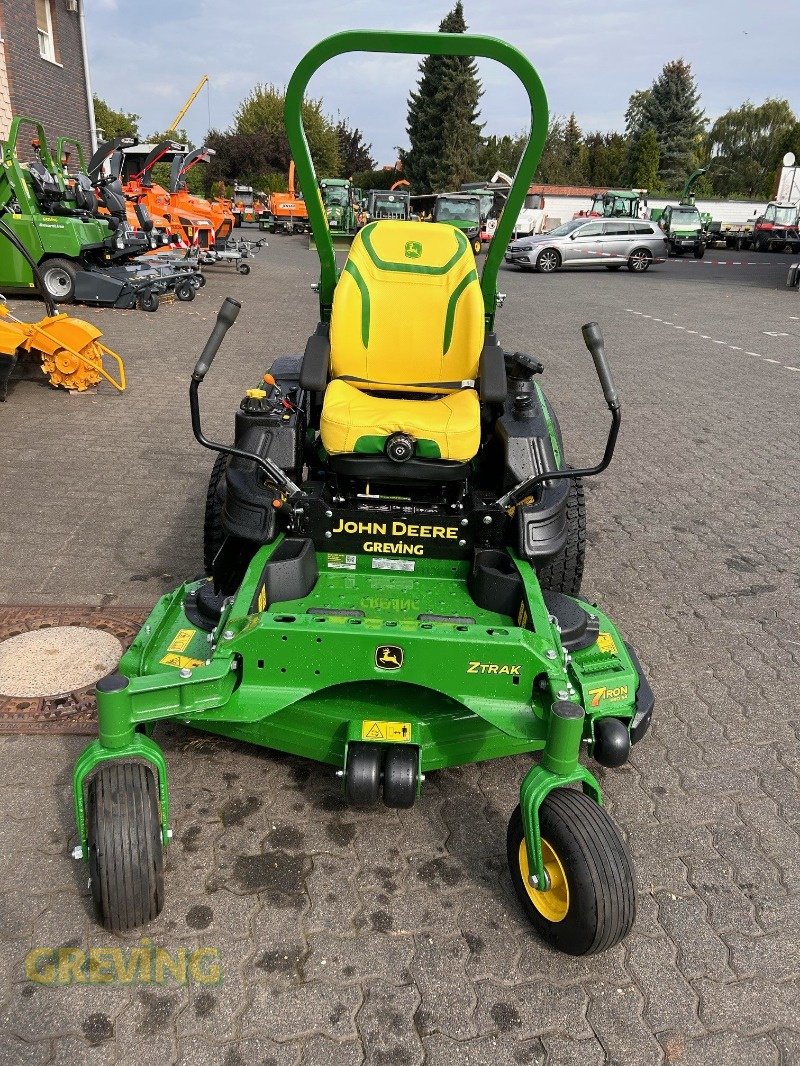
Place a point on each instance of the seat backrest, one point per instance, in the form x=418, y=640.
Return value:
x=408, y=311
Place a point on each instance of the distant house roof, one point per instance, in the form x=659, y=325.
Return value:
x=566, y=190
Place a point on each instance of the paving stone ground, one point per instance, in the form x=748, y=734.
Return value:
x=394, y=938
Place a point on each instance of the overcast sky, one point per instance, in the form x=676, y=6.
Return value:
x=591, y=55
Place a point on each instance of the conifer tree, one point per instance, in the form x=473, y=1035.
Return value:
x=443, y=128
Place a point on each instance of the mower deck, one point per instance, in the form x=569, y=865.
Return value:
x=302, y=675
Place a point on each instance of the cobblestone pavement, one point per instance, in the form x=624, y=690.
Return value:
x=394, y=937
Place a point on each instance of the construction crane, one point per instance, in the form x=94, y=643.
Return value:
x=176, y=121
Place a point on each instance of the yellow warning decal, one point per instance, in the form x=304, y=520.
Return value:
x=396, y=732
x=605, y=642
x=181, y=640
x=261, y=602
x=182, y=662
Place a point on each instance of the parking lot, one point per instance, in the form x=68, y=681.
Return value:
x=394, y=937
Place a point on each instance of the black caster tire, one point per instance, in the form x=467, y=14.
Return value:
x=126, y=852
x=243, y=268
x=362, y=775
x=401, y=776
x=185, y=292
x=201, y=281
x=148, y=301
x=591, y=903
x=213, y=532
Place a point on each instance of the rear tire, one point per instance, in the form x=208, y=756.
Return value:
x=213, y=532
x=700, y=251
x=59, y=279
x=126, y=852
x=564, y=572
x=639, y=260
x=590, y=904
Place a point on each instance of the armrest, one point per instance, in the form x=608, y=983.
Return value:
x=316, y=360
x=492, y=372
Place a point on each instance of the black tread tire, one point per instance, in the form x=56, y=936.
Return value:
x=213, y=532
x=598, y=868
x=126, y=853
x=362, y=779
x=243, y=268
x=643, y=254
x=700, y=251
x=68, y=268
x=547, y=270
x=564, y=572
x=185, y=292
x=401, y=776
x=148, y=301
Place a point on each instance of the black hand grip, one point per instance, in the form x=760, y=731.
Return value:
x=593, y=339
x=225, y=319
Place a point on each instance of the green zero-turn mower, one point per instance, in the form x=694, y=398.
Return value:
x=81, y=255
x=395, y=546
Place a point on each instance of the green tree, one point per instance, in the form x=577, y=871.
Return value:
x=638, y=103
x=261, y=113
x=605, y=160
x=111, y=124
x=573, y=155
x=376, y=179
x=645, y=156
x=355, y=154
x=746, y=145
x=499, y=153
x=443, y=128
x=671, y=109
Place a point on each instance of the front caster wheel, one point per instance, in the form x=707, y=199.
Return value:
x=590, y=903
x=362, y=775
x=401, y=776
x=148, y=301
x=243, y=268
x=126, y=853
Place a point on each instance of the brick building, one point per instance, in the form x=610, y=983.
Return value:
x=44, y=68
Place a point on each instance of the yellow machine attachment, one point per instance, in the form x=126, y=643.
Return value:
x=69, y=348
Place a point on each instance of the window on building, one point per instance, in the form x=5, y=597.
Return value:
x=44, y=26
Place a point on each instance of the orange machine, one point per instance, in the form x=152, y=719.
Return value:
x=188, y=226
x=286, y=210
x=216, y=211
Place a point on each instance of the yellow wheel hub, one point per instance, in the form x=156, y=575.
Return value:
x=553, y=903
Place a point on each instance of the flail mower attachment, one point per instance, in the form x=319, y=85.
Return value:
x=70, y=351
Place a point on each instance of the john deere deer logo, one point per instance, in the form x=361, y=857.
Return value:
x=413, y=250
x=388, y=657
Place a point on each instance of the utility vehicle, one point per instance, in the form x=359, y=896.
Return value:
x=395, y=546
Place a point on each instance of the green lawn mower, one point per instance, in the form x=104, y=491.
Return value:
x=394, y=546
x=81, y=255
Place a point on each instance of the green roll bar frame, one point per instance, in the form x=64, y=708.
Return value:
x=405, y=43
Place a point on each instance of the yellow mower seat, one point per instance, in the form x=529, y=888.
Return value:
x=407, y=318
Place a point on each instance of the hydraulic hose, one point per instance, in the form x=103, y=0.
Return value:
x=46, y=298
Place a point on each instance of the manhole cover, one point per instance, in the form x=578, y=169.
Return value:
x=50, y=659
x=53, y=661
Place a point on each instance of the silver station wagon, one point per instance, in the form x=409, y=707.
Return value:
x=597, y=242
